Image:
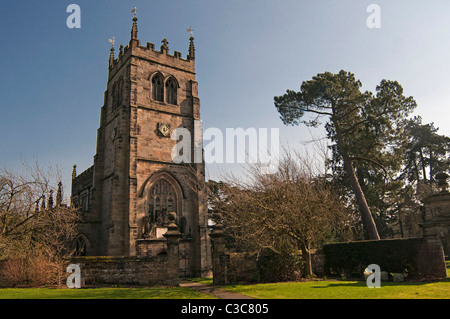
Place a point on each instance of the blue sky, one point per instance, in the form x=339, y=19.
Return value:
x=247, y=52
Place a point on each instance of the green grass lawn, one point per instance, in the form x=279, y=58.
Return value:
x=317, y=289
x=103, y=293
x=321, y=289
x=344, y=290
x=328, y=289
x=338, y=289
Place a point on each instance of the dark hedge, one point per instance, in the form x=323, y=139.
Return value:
x=392, y=255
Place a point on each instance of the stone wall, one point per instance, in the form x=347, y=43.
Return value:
x=122, y=270
x=153, y=247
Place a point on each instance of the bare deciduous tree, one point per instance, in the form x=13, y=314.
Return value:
x=33, y=224
x=293, y=205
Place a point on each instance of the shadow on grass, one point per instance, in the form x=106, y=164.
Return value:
x=360, y=283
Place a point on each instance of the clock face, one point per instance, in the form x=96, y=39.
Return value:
x=164, y=129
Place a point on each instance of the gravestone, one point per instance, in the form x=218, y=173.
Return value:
x=397, y=277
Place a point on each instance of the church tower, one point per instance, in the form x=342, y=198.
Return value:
x=126, y=195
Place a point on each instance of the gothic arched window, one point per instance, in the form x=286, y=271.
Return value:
x=158, y=88
x=162, y=200
x=171, y=91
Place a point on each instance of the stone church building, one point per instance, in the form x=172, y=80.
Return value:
x=126, y=196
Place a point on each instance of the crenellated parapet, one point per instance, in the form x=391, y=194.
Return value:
x=150, y=53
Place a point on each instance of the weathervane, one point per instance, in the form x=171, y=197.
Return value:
x=134, y=11
x=190, y=30
x=112, y=41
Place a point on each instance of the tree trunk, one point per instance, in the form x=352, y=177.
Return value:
x=366, y=214
x=431, y=163
x=306, y=254
x=423, y=166
x=417, y=171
